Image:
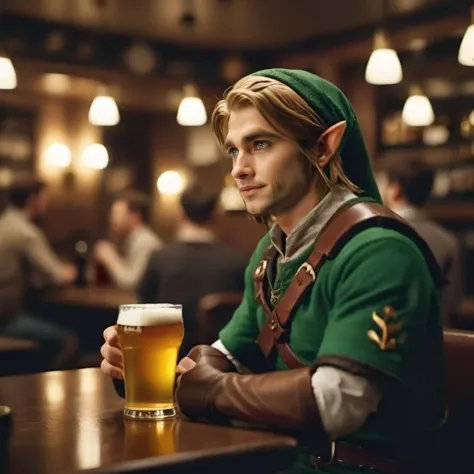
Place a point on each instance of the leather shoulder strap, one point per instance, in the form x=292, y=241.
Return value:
x=259, y=277
x=353, y=219
x=344, y=224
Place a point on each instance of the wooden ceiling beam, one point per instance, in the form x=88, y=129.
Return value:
x=143, y=92
x=359, y=50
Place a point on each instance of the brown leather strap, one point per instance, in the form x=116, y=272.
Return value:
x=359, y=457
x=277, y=335
x=346, y=222
x=259, y=277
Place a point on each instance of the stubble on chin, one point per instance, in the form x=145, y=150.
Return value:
x=282, y=200
x=267, y=202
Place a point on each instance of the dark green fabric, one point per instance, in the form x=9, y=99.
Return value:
x=377, y=268
x=330, y=103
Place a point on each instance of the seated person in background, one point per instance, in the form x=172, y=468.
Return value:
x=128, y=221
x=193, y=266
x=23, y=245
x=405, y=189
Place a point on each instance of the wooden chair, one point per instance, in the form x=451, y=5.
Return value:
x=214, y=312
x=458, y=435
x=459, y=368
x=17, y=356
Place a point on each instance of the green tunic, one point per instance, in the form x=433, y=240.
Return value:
x=374, y=310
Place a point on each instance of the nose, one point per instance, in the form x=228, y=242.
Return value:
x=243, y=166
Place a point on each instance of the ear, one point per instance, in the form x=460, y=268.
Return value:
x=397, y=191
x=329, y=141
x=180, y=213
x=31, y=202
x=214, y=215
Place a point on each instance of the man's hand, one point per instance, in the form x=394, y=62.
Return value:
x=196, y=388
x=185, y=365
x=204, y=355
x=68, y=274
x=111, y=351
x=281, y=399
x=105, y=252
x=199, y=374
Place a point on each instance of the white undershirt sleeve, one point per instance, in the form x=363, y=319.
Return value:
x=344, y=400
x=240, y=367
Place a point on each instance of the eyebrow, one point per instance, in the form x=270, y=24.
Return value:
x=250, y=137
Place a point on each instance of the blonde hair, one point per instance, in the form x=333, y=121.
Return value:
x=286, y=112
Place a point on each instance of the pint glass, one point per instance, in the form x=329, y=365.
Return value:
x=150, y=336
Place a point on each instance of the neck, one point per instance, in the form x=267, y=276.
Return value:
x=400, y=204
x=134, y=227
x=28, y=213
x=189, y=231
x=188, y=226
x=289, y=220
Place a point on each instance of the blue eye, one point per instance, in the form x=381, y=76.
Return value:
x=233, y=152
x=261, y=145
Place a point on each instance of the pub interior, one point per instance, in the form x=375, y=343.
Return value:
x=100, y=98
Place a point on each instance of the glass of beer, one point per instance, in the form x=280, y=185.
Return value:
x=150, y=336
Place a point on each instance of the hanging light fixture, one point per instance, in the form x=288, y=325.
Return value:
x=95, y=156
x=417, y=111
x=7, y=73
x=383, y=66
x=230, y=197
x=58, y=155
x=104, y=110
x=466, y=50
x=191, y=110
x=170, y=182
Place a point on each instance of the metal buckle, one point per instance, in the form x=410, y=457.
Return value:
x=321, y=461
x=278, y=331
x=308, y=269
x=261, y=269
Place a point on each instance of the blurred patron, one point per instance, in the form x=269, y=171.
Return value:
x=194, y=265
x=23, y=250
x=405, y=189
x=128, y=223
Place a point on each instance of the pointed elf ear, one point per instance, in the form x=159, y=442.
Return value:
x=329, y=141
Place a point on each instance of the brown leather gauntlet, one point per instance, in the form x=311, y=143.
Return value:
x=282, y=400
x=214, y=358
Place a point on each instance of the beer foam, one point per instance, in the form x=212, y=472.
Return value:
x=150, y=315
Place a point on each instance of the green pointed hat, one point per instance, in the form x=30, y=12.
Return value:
x=332, y=106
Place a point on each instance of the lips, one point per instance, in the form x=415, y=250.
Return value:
x=249, y=191
x=249, y=188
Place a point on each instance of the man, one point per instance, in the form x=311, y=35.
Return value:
x=128, y=221
x=405, y=190
x=356, y=358
x=22, y=242
x=193, y=266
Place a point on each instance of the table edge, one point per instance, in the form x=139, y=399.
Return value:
x=285, y=446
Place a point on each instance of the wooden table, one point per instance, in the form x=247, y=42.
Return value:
x=464, y=319
x=97, y=297
x=11, y=344
x=466, y=308
x=85, y=311
x=72, y=421
x=18, y=356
